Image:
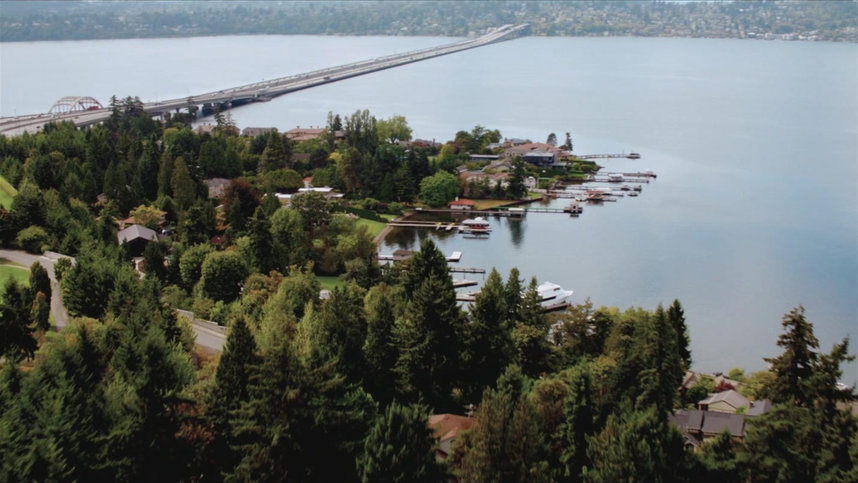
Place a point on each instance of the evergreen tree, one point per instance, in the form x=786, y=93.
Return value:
x=489, y=342
x=637, y=446
x=428, y=366
x=343, y=330
x=400, y=448
x=676, y=316
x=718, y=459
x=516, y=189
x=379, y=348
x=262, y=242
x=663, y=371
x=16, y=339
x=300, y=422
x=505, y=443
x=427, y=262
x=153, y=261
x=39, y=281
x=182, y=186
x=578, y=425
x=793, y=369
x=231, y=389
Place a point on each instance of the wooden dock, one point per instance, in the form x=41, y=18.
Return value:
x=467, y=270
x=608, y=156
x=508, y=212
x=454, y=258
x=464, y=283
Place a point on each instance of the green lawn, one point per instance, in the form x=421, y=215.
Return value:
x=15, y=272
x=7, y=192
x=329, y=282
x=372, y=226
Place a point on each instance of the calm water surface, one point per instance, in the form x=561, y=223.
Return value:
x=755, y=209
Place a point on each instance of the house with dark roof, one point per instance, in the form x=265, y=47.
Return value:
x=698, y=426
x=136, y=237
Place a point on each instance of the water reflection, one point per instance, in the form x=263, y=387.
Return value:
x=516, y=231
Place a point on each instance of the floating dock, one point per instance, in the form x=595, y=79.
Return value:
x=461, y=283
x=455, y=257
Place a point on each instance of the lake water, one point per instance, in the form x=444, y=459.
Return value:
x=755, y=209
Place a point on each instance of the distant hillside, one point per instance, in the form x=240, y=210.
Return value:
x=787, y=20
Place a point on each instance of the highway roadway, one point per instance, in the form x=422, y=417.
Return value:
x=266, y=90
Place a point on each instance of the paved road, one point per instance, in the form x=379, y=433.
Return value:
x=208, y=335
x=61, y=318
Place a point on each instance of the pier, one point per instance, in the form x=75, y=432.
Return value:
x=608, y=156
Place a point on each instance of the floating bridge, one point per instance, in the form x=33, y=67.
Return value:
x=85, y=111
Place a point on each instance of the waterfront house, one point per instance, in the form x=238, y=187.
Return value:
x=462, y=204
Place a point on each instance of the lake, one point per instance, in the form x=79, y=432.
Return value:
x=755, y=209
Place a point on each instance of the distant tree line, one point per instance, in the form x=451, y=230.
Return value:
x=27, y=21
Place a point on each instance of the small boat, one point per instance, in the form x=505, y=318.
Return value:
x=633, y=156
x=625, y=187
x=475, y=226
x=637, y=188
x=574, y=209
x=615, y=178
x=595, y=195
x=633, y=193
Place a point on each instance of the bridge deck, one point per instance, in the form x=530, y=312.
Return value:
x=266, y=90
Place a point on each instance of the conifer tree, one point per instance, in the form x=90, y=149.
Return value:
x=793, y=369
x=637, y=446
x=300, y=422
x=39, y=280
x=231, y=389
x=16, y=332
x=489, y=348
x=262, y=242
x=429, y=362
x=662, y=368
x=400, y=448
x=676, y=316
x=505, y=443
x=343, y=327
x=379, y=348
x=578, y=425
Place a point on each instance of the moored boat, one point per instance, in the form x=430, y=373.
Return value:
x=475, y=226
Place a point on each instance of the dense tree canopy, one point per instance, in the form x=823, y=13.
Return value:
x=338, y=388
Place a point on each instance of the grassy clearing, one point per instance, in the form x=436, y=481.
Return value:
x=489, y=204
x=330, y=282
x=7, y=192
x=372, y=226
x=15, y=272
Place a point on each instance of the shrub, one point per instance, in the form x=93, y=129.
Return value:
x=33, y=239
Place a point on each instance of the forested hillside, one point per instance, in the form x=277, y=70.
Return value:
x=339, y=389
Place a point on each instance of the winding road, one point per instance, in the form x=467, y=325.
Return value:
x=208, y=335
